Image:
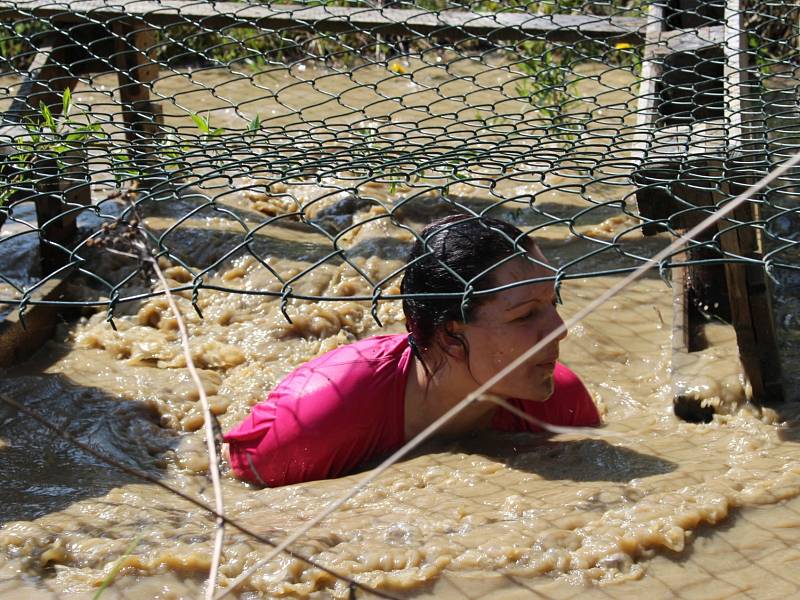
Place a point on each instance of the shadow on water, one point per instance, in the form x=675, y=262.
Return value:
x=304, y=240
x=41, y=473
x=201, y=247
x=574, y=460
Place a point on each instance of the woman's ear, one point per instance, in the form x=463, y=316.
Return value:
x=451, y=340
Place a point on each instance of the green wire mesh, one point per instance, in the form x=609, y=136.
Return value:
x=218, y=136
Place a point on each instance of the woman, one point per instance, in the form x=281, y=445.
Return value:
x=367, y=398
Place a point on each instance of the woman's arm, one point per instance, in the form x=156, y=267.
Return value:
x=294, y=439
x=316, y=424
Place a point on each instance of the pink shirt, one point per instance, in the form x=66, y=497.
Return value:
x=345, y=407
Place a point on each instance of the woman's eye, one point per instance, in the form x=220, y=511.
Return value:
x=527, y=316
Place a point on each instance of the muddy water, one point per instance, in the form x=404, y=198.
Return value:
x=658, y=507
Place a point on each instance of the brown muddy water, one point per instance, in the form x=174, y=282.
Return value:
x=659, y=508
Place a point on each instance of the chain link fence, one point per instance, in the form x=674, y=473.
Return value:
x=228, y=137
x=319, y=121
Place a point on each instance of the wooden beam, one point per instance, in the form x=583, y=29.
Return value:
x=335, y=19
x=747, y=285
x=663, y=150
x=136, y=72
x=20, y=339
x=44, y=83
x=684, y=336
x=647, y=197
x=684, y=40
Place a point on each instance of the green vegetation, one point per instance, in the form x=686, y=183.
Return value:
x=50, y=140
x=112, y=575
x=546, y=86
x=57, y=136
x=204, y=125
x=16, y=50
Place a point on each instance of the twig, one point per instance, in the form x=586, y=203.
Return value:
x=494, y=380
x=109, y=579
x=213, y=461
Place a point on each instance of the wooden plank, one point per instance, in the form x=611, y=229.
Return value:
x=685, y=407
x=738, y=88
x=647, y=105
x=20, y=340
x=747, y=287
x=703, y=285
x=45, y=82
x=686, y=40
x=334, y=19
x=663, y=150
x=648, y=198
x=680, y=312
x=136, y=72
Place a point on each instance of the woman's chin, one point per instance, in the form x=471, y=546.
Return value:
x=538, y=392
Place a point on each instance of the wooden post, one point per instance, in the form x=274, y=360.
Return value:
x=136, y=72
x=62, y=184
x=691, y=168
x=651, y=200
x=747, y=285
x=47, y=78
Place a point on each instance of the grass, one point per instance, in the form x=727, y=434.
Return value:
x=112, y=575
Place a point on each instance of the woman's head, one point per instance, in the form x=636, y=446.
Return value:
x=490, y=330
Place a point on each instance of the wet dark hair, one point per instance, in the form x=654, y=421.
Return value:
x=458, y=246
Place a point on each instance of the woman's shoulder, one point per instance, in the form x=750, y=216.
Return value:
x=377, y=348
x=327, y=416
x=348, y=372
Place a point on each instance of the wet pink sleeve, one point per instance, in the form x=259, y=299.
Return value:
x=323, y=420
x=305, y=430
x=570, y=405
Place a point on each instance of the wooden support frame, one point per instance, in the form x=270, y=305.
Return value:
x=60, y=185
x=136, y=72
x=45, y=82
x=135, y=37
x=692, y=170
x=747, y=284
x=446, y=24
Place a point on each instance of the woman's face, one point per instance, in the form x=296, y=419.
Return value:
x=508, y=324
